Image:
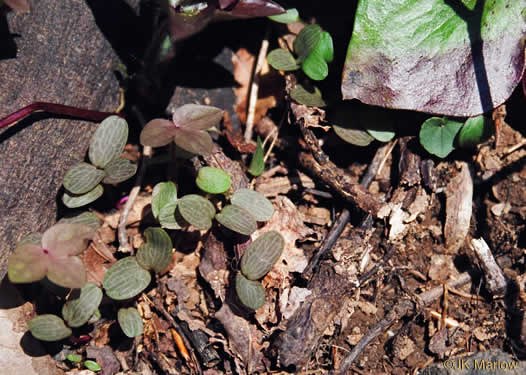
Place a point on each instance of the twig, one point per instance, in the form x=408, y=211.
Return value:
x=494, y=278
x=254, y=88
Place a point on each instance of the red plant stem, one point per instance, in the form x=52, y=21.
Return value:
x=57, y=109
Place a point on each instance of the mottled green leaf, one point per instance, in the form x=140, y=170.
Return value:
x=306, y=41
x=48, y=327
x=78, y=311
x=281, y=59
x=261, y=255
x=250, y=293
x=291, y=15
x=257, y=164
x=156, y=253
x=170, y=217
x=130, y=321
x=438, y=134
x=84, y=218
x=119, y=170
x=74, y=201
x=212, y=180
x=255, y=203
x=237, y=219
x=474, y=131
x=163, y=193
x=82, y=178
x=197, y=210
x=125, y=279
x=108, y=141
x=95, y=317
x=303, y=96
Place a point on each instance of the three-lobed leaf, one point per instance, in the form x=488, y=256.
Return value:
x=437, y=135
x=125, y=279
x=197, y=211
x=156, y=253
x=130, y=321
x=261, y=255
x=108, y=141
x=213, y=180
x=82, y=178
x=237, y=219
x=78, y=311
x=255, y=203
x=49, y=327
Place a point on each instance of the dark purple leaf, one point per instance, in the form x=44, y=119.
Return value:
x=158, y=133
x=256, y=8
x=195, y=141
x=197, y=117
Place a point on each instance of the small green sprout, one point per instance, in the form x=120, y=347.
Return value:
x=75, y=358
x=92, y=365
x=257, y=164
x=314, y=49
x=213, y=180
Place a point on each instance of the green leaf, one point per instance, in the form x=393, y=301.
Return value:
x=95, y=317
x=257, y=164
x=163, y=193
x=261, y=255
x=378, y=122
x=78, y=311
x=213, y=180
x=474, y=131
x=237, y=219
x=315, y=67
x=82, y=178
x=281, y=59
x=85, y=218
x=92, y=365
x=311, y=98
x=108, y=141
x=170, y=218
x=119, y=170
x=125, y=279
x=290, y=16
x=438, y=134
x=74, y=201
x=250, y=293
x=407, y=55
x=325, y=47
x=255, y=203
x=306, y=41
x=75, y=358
x=49, y=327
x=156, y=253
x=130, y=321
x=197, y=210
x=357, y=137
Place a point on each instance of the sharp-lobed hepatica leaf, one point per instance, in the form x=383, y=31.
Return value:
x=54, y=257
x=130, y=321
x=197, y=211
x=125, y=279
x=281, y=59
x=237, y=219
x=82, y=178
x=250, y=293
x=78, y=311
x=313, y=99
x=437, y=135
x=48, y=327
x=119, y=170
x=108, y=141
x=213, y=180
x=75, y=201
x=291, y=15
x=257, y=164
x=255, y=203
x=261, y=255
x=307, y=40
x=474, y=131
x=419, y=55
x=156, y=253
x=85, y=218
x=163, y=193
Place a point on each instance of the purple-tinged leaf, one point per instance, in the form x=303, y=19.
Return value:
x=183, y=25
x=119, y=170
x=197, y=117
x=158, y=133
x=67, y=271
x=223, y=4
x=194, y=141
x=67, y=239
x=82, y=178
x=27, y=264
x=256, y=8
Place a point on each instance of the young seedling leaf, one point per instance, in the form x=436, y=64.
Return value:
x=438, y=134
x=48, y=327
x=357, y=137
x=325, y=47
x=474, y=131
x=163, y=193
x=125, y=279
x=195, y=141
x=315, y=67
x=108, y=141
x=130, y=321
x=85, y=218
x=197, y=210
x=75, y=201
x=382, y=131
x=250, y=293
x=261, y=255
x=306, y=41
x=197, y=117
x=78, y=311
x=257, y=164
x=281, y=59
x=156, y=253
x=82, y=178
x=92, y=365
x=255, y=203
x=170, y=217
x=158, y=133
x=213, y=180
x=237, y=219
x=291, y=15
x=75, y=358
x=305, y=97
x=119, y=170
